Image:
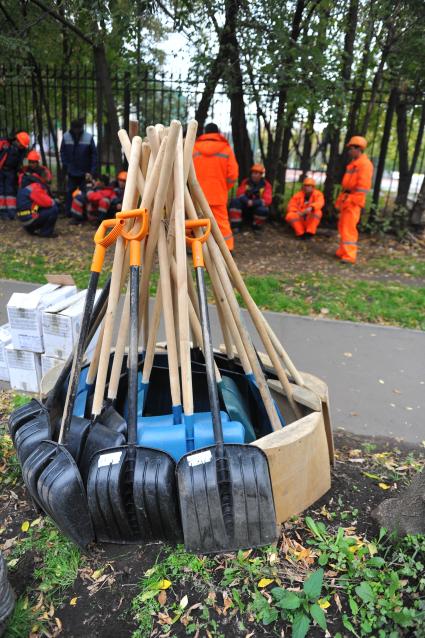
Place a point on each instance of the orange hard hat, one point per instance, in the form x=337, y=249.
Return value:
x=33, y=156
x=257, y=168
x=358, y=140
x=122, y=175
x=23, y=138
x=309, y=181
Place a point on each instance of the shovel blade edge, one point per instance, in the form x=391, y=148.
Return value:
x=254, y=519
x=30, y=435
x=22, y=415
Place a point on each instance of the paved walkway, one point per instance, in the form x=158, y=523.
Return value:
x=375, y=374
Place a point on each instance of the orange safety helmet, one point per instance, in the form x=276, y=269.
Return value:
x=309, y=181
x=33, y=156
x=258, y=168
x=23, y=138
x=358, y=140
x=122, y=175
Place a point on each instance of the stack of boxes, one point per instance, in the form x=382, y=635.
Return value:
x=42, y=331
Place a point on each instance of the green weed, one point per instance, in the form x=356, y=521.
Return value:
x=24, y=619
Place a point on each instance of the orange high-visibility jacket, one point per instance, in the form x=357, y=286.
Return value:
x=297, y=202
x=357, y=181
x=216, y=167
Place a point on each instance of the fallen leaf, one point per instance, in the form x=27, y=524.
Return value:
x=348, y=354
x=381, y=381
x=384, y=486
x=164, y=584
x=73, y=601
x=264, y=582
x=324, y=604
x=408, y=407
x=184, y=602
x=372, y=476
x=162, y=597
x=35, y=522
x=25, y=526
x=324, y=311
x=97, y=574
x=13, y=562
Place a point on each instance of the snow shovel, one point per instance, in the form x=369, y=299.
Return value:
x=34, y=422
x=131, y=489
x=225, y=492
x=50, y=472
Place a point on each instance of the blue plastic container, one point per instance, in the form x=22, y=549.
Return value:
x=194, y=432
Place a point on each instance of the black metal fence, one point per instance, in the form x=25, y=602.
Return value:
x=44, y=100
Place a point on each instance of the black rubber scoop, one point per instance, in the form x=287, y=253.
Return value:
x=31, y=433
x=53, y=480
x=22, y=415
x=252, y=521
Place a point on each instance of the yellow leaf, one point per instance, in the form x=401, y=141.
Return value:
x=13, y=562
x=384, y=486
x=25, y=526
x=184, y=602
x=265, y=581
x=35, y=522
x=73, y=601
x=164, y=584
x=324, y=604
x=97, y=574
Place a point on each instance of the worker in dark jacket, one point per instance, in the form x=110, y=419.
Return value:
x=36, y=209
x=12, y=153
x=79, y=159
x=252, y=201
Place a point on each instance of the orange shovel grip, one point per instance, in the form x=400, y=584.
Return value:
x=103, y=241
x=135, y=236
x=196, y=242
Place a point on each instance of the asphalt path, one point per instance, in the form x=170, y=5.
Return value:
x=375, y=374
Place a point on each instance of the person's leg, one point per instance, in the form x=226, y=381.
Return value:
x=72, y=183
x=347, y=226
x=312, y=222
x=3, y=207
x=10, y=197
x=259, y=217
x=47, y=220
x=104, y=209
x=235, y=214
x=222, y=218
x=77, y=209
x=295, y=220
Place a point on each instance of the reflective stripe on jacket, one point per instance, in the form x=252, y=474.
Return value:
x=357, y=181
x=33, y=195
x=79, y=157
x=216, y=167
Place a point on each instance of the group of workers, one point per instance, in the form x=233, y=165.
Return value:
x=25, y=191
x=217, y=171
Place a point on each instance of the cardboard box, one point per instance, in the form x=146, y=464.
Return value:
x=61, y=326
x=5, y=339
x=24, y=312
x=49, y=362
x=24, y=369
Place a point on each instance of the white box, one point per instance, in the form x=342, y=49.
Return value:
x=5, y=339
x=24, y=312
x=49, y=362
x=61, y=326
x=24, y=369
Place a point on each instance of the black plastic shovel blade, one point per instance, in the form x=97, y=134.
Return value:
x=127, y=509
x=22, y=415
x=29, y=436
x=254, y=519
x=54, y=481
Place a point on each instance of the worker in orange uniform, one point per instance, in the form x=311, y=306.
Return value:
x=356, y=182
x=305, y=209
x=27, y=173
x=217, y=171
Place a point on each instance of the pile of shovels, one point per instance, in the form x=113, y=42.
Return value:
x=153, y=443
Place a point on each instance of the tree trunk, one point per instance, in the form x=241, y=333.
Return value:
x=305, y=163
x=386, y=134
x=104, y=79
x=403, y=150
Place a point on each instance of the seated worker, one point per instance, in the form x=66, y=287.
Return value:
x=252, y=201
x=305, y=210
x=95, y=203
x=34, y=159
x=36, y=210
x=119, y=187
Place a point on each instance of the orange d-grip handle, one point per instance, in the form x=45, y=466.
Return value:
x=196, y=242
x=103, y=241
x=135, y=236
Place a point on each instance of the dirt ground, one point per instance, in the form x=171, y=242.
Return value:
x=104, y=607
x=273, y=251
